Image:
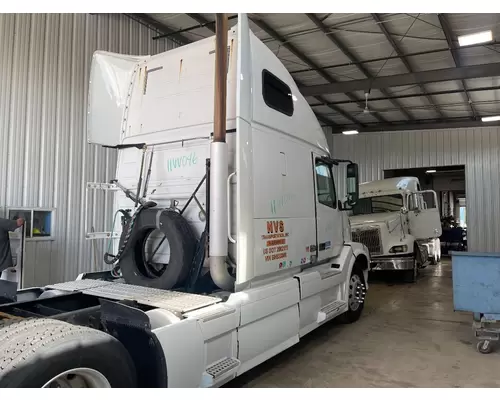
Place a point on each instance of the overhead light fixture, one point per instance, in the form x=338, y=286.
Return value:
x=353, y=132
x=430, y=171
x=475, y=38
x=491, y=119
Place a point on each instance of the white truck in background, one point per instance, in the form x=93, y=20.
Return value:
x=399, y=223
x=252, y=191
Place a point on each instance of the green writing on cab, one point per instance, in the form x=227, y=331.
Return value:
x=182, y=161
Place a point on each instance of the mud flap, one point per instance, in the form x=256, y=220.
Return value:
x=132, y=328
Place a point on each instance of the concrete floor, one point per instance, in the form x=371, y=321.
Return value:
x=408, y=336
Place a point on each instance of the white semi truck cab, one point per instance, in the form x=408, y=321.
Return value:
x=399, y=223
x=231, y=245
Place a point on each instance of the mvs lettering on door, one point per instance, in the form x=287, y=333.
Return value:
x=275, y=241
x=275, y=227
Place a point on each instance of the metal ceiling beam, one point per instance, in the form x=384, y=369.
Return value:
x=343, y=48
x=445, y=25
x=203, y=21
x=452, y=123
x=405, y=61
x=407, y=96
x=325, y=121
x=160, y=27
x=436, y=75
x=297, y=53
x=396, y=57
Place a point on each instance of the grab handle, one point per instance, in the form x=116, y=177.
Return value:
x=229, y=208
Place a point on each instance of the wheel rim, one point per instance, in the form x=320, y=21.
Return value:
x=78, y=378
x=356, y=292
x=154, y=242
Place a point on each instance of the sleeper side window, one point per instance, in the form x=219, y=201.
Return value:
x=325, y=188
x=277, y=94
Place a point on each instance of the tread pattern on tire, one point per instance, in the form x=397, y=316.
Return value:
x=13, y=329
x=31, y=335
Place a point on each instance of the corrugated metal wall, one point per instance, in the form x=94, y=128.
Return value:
x=478, y=149
x=44, y=158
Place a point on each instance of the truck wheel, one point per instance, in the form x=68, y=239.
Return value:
x=49, y=353
x=434, y=259
x=356, y=298
x=412, y=275
x=435, y=256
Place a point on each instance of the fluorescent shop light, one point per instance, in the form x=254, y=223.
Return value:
x=491, y=119
x=475, y=38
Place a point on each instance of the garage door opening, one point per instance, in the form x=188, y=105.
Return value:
x=449, y=184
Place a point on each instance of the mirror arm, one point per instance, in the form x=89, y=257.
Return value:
x=344, y=206
x=335, y=161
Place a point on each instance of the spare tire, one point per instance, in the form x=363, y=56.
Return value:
x=138, y=270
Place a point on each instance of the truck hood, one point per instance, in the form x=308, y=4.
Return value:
x=366, y=219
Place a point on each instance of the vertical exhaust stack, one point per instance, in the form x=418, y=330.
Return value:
x=219, y=166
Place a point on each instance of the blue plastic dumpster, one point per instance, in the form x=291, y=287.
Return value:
x=476, y=288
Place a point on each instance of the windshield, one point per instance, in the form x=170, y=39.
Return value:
x=378, y=204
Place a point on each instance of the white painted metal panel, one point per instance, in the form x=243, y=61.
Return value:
x=476, y=148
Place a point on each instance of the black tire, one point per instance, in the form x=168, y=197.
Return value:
x=352, y=315
x=11, y=329
x=45, y=348
x=410, y=276
x=182, y=242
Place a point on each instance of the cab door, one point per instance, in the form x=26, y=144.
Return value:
x=329, y=239
x=424, y=219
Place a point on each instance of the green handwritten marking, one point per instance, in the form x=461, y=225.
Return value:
x=182, y=161
x=278, y=204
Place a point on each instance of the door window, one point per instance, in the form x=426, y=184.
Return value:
x=413, y=202
x=325, y=189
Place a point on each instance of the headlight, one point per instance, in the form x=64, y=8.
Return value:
x=399, y=249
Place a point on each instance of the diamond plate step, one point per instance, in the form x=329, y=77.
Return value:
x=76, y=286
x=330, y=310
x=222, y=367
x=169, y=300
